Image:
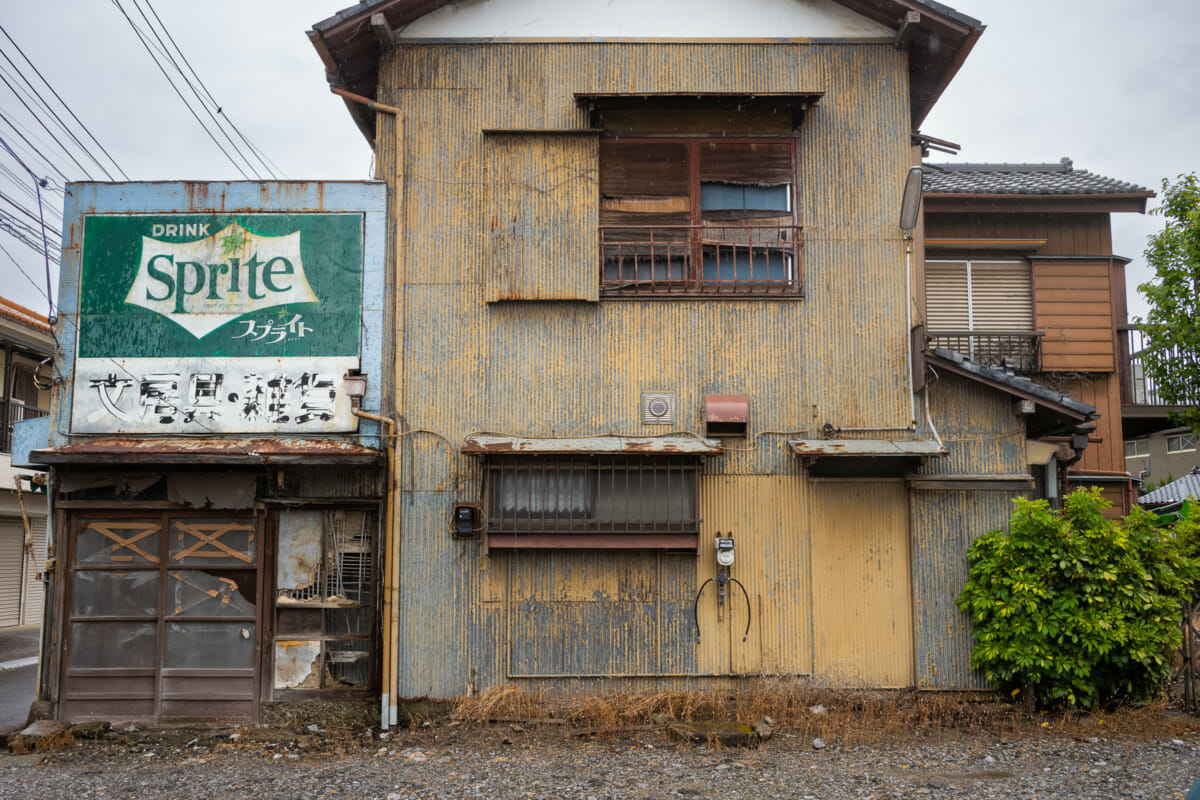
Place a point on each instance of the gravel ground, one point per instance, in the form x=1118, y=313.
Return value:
x=442, y=762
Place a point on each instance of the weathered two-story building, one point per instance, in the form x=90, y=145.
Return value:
x=646, y=364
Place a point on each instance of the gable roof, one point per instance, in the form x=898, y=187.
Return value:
x=1042, y=179
x=1174, y=492
x=350, y=48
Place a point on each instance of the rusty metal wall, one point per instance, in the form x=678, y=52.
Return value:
x=984, y=437
x=944, y=524
x=978, y=427
x=571, y=368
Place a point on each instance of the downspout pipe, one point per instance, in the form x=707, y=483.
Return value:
x=390, y=608
x=374, y=105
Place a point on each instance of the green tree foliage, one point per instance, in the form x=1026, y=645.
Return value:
x=1173, y=324
x=1081, y=609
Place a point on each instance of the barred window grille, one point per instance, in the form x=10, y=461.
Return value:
x=592, y=502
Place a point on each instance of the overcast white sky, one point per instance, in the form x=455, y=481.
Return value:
x=1113, y=85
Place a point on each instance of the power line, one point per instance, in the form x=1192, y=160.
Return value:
x=266, y=162
x=38, y=119
x=142, y=38
x=34, y=95
x=28, y=144
x=192, y=88
x=64, y=103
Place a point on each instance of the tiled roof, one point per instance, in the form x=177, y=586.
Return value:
x=22, y=314
x=1175, y=492
x=1048, y=179
x=1018, y=382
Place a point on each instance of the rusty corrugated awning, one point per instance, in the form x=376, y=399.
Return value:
x=866, y=448
x=208, y=451
x=647, y=445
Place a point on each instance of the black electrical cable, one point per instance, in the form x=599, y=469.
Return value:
x=146, y=44
x=64, y=103
x=696, y=608
x=749, y=611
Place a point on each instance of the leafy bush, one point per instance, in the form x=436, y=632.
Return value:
x=1081, y=609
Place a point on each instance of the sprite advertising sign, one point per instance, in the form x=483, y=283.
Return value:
x=212, y=323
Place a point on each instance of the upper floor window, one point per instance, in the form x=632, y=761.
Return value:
x=1137, y=448
x=1181, y=443
x=698, y=217
x=983, y=309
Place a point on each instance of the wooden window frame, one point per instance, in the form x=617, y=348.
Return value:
x=693, y=284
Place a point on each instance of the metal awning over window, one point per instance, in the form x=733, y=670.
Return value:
x=480, y=445
x=792, y=103
x=876, y=448
x=852, y=457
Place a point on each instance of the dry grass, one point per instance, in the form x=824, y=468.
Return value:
x=800, y=707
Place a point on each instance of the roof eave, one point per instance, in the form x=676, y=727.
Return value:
x=1113, y=202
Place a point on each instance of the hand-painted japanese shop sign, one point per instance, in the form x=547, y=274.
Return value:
x=212, y=323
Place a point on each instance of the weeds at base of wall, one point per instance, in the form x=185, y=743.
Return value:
x=800, y=708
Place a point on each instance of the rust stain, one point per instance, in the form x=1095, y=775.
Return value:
x=484, y=445
x=197, y=450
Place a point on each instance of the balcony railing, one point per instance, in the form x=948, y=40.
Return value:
x=1138, y=388
x=14, y=411
x=1019, y=349
x=700, y=260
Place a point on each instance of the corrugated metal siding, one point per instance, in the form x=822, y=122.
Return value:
x=983, y=437
x=11, y=540
x=944, y=524
x=977, y=424
x=768, y=518
x=862, y=594
x=570, y=369
x=33, y=590
x=542, y=201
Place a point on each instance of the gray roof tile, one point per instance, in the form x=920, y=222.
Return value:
x=1048, y=179
x=1000, y=375
x=1174, y=492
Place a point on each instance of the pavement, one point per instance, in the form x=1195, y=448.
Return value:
x=18, y=674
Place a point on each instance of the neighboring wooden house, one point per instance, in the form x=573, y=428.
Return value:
x=1019, y=268
x=26, y=342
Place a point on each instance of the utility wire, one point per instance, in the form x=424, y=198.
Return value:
x=64, y=103
x=57, y=233
x=30, y=145
x=192, y=87
x=142, y=38
x=266, y=162
x=30, y=140
x=35, y=95
x=38, y=119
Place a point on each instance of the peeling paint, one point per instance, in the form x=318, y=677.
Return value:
x=297, y=665
x=299, y=558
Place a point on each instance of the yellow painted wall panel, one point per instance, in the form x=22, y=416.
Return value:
x=766, y=516
x=862, y=592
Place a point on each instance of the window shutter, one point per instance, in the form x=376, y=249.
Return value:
x=946, y=295
x=542, y=217
x=1001, y=296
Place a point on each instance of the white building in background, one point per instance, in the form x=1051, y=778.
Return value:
x=26, y=341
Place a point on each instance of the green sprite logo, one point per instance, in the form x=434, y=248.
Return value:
x=205, y=284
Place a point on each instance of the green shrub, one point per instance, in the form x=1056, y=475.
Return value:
x=1081, y=609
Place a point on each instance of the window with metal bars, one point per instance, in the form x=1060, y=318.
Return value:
x=698, y=217
x=592, y=502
